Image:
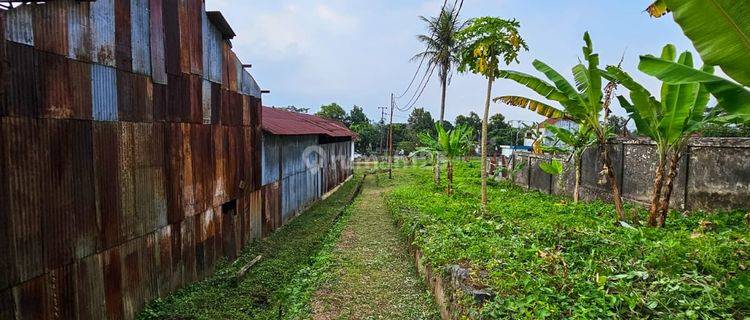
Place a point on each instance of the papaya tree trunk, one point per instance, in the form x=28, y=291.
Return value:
x=611, y=178
x=668, y=187
x=449, y=175
x=653, y=211
x=577, y=186
x=484, y=141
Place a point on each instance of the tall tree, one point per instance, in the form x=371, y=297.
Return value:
x=442, y=47
x=357, y=116
x=583, y=103
x=499, y=131
x=332, y=111
x=484, y=42
x=420, y=121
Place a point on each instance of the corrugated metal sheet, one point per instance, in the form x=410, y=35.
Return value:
x=246, y=82
x=112, y=274
x=90, y=288
x=271, y=159
x=31, y=299
x=22, y=96
x=123, y=36
x=103, y=32
x=106, y=137
x=140, y=35
x=212, y=55
x=51, y=27
x=79, y=31
x=19, y=26
x=195, y=9
x=185, y=37
x=171, y=22
x=158, y=66
x=206, y=102
x=61, y=293
x=104, y=92
x=25, y=160
x=282, y=122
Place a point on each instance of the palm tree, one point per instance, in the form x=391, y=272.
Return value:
x=583, y=103
x=669, y=123
x=442, y=47
x=451, y=144
x=483, y=43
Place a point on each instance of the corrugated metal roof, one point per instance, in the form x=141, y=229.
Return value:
x=287, y=123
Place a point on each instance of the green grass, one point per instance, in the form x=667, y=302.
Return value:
x=259, y=295
x=545, y=257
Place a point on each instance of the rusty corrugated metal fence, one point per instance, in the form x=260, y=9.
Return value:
x=130, y=156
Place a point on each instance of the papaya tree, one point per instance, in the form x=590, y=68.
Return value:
x=450, y=144
x=582, y=104
x=669, y=122
x=485, y=42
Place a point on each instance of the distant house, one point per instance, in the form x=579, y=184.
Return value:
x=304, y=156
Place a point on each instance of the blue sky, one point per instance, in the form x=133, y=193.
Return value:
x=356, y=52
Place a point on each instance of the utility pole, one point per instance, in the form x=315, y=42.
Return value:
x=382, y=130
x=390, y=142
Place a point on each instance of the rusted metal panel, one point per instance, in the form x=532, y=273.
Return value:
x=233, y=168
x=246, y=109
x=51, y=27
x=206, y=101
x=220, y=164
x=195, y=8
x=164, y=261
x=61, y=293
x=25, y=159
x=112, y=275
x=7, y=305
x=22, y=96
x=216, y=103
x=271, y=208
x=79, y=31
x=123, y=36
x=177, y=99
x=202, y=167
x=19, y=26
x=70, y=223
x=133, y=277
x=135, y=97
x=171, y=20
x=185, y=37
x=107, y=158
x=158, y=66
x=212, y=50
x=30, y=299
x=160, y=102
x=248, y=167
x=195, y=95
x=188, y=184
x=246, y=82
x=149, y=263
x=104, y=93
x=131, y=226
x=103, y=32
x=188, y=250
x=230, y=224
x=59, y=76
x=90, y=288
x=148, y=176
x=140, y=36
x=174, y=171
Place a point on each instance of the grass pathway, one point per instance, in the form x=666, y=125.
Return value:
x=372, y=274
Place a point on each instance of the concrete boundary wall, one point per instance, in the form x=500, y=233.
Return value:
x=714, y=173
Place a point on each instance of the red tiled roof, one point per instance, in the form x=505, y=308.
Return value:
x=286, y=123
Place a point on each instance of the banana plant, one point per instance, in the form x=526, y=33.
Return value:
x=450, y=144
x=577, y=143
x=720, y=32
x=669, y=122
x=583, y=103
